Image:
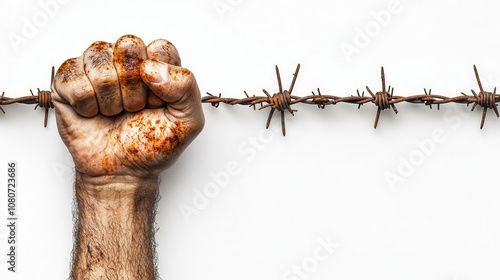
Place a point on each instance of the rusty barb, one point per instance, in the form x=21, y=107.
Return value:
x=384, y=99
x=283, y=99
x=42, y=99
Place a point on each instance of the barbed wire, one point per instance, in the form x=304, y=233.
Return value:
x=43, y=99
x=384, y=99
x=283, y=100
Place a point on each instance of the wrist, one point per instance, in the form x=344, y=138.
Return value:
x=107, y=187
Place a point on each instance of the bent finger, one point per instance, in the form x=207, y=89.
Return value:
x=99, y=68
x=176, y=86
x=163, y=51
x=72, y=86
x=129, y=53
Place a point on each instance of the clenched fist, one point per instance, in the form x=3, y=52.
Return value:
x=126, y=111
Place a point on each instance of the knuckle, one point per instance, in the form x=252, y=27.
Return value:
x=83, y=95
x=68, y=71
x=104, y=80
x=71, y=82
x=99, y=56
x=129, y=53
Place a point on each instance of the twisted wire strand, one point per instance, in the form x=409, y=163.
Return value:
x=43, y=99
x=383, y=100
x=283, y=100
x=325, y=100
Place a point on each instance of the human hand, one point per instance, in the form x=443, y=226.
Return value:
x=126, y=112
x=126, y=109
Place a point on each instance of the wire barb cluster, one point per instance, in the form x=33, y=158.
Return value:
x=283, y=100
x=43, y=99
x=384, y=99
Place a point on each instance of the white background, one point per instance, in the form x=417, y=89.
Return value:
x=324, y=180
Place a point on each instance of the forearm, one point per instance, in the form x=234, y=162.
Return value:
x=114, y=231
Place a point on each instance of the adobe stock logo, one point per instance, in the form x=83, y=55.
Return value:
x=407, y=165
x=31, y=25
x=224, y=6
x=363, y=37
x=425, y=148
x=324, y=249
x=221, y=179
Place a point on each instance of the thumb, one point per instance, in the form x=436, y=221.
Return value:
x=177, y=87
x=169, y=82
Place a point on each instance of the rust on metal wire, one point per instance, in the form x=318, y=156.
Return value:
x=42, y=99
x=280, y=100
x=283, y=100
x=384, y=99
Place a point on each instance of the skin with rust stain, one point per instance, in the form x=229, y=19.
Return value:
x=126, y=112
x=136, y=144
x=127, y=143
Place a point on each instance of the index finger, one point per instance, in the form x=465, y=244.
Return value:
x=163, y=51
